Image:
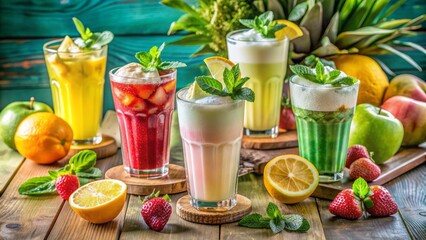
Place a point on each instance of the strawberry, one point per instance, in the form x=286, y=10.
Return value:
x=356, y=152
x=159, y=97
x=346, y=205
x=156, y=211
x=138, y=105
x=66, y=184
x=383, y=203
x=170, y=86
x=364, y=168
x=145, y=90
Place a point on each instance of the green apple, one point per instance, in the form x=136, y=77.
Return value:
x=378, y=130
x=13, y=114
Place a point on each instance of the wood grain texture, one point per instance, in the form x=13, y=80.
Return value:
x=188, y=213
x=25, y=217
x=252, y=187
x=255, y=160
x=69, y=225
x=409, y=192
x=52, y=18
x=174, y=182
x=283, y=140
x=9, y=165
x=177, y=229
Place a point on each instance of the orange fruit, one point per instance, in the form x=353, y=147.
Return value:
x=43, y=137
x=99, y=201
x=290, y=178
x=373, y=80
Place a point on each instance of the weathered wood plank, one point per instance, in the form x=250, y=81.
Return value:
x=135, y=228
x=24, y=217
x=391, y=227
x=410, y=193
x=10, y=161
x=51, y=18
x=251, y=186
x=69, y=225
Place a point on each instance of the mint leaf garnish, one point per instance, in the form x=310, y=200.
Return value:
x=89, y=40
x=263, y=24
x=233, y=85
x=151, y=60
x=82, y=165
x=361, y=188
x=321, y=77
x=275, y=220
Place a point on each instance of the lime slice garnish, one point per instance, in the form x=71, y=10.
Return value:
x=195, y=92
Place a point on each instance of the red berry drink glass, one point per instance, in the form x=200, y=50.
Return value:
x=144, y=106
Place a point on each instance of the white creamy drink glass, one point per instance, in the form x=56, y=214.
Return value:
x=264, y=61
x=211, y=128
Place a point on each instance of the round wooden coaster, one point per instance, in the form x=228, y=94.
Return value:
x=284, y=140
x=106, y=148
x=174, y=182
x=188, y=213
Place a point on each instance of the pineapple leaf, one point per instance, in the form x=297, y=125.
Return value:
x=392, y=23
x=391, y=9
x=416, y=21
x=385, y=67
x=205, y=49
x=375, y=11
x=412, y=45
x=345, y=11
x=180, y=5
x=298, y=12
x=189, y=23
x=191, y=39
x=400, y=54
x=332, y=28
x=312, y=21
x=357, y=18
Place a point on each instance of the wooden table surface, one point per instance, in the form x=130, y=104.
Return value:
x=49, y=217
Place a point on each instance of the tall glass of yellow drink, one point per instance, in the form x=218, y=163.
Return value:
x=264, y=60
x=77, y=84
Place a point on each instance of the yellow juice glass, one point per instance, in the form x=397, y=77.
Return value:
x=77, y=85
x=264, y=61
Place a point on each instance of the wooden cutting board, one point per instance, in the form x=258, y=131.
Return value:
x=402, y=162
x=285, y=139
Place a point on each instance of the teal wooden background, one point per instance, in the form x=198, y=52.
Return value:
x=25, y=25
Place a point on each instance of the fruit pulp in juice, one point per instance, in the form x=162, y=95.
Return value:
x=266, y=80
x=77, y=86
x=144, y=113
x=323, y=138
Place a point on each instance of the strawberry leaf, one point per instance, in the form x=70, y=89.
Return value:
x=253, y=221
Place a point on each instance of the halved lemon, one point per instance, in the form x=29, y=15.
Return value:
x=99, y=201
x=291, y=30
x=290, y=178
x=217, y=65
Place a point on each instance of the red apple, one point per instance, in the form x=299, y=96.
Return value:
x=412, y=114
x=407, y=85
x=287, y=120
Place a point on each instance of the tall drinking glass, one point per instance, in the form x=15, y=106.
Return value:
x=77, y=84
x=211, y=131
x=144, y=107
x=264, y=60
x=323, y=117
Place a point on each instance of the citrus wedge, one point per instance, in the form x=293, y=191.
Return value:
x=195, y=92
x=290, y=178
x=99, y=201
x=217, y=65
x=291, y=30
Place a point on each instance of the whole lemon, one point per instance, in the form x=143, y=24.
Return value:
x=43, y=137
x=373, y=80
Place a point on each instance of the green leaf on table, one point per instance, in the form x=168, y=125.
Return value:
x=83, y=161
x=273, y=211
x=253, y=221
x=277, y=225
x=293, y=222
x=361, y=188
x=38, y=186
x=90, y=173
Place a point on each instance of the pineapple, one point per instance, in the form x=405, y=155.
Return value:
x=336, y=27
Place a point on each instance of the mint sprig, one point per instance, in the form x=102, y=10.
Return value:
x=82, y=165
x=233, y=85
x=276, y=221
x=321, y=77
x=151, y=60
x=263, y=24
x=89, y=40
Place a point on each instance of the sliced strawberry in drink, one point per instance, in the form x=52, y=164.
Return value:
x=127, y=99
x=138, y=105
x=170, y=86
x=152, y=110
x=118, y=93
x=159, y=97
x=145, y=91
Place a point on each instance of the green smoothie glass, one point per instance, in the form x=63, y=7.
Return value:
x=323, y=117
